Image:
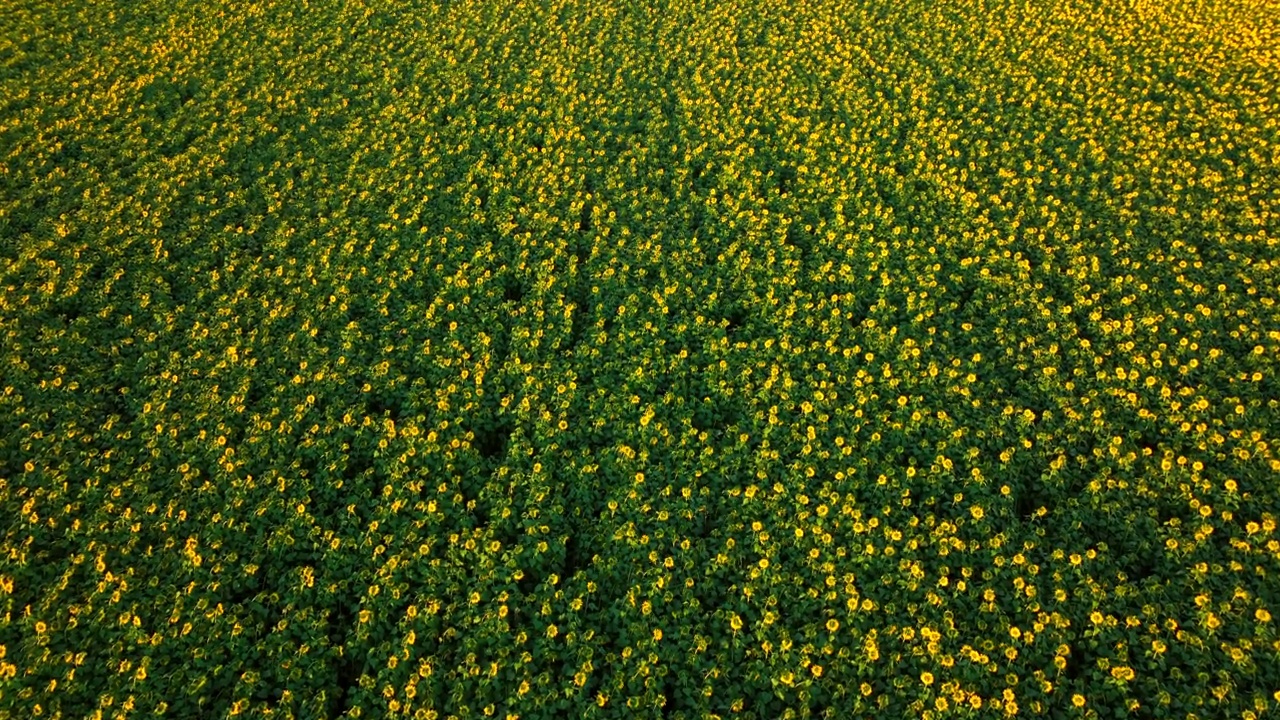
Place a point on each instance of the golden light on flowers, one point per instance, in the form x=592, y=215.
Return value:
x=400, y=331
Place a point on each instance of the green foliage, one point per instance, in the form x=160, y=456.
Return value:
x=727, y=358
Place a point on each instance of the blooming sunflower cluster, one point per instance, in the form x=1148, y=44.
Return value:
x=725, y=358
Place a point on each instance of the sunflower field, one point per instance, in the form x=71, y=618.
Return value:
x=538, y=359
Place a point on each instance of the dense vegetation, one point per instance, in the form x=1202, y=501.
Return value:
x=546, y=359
